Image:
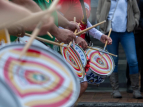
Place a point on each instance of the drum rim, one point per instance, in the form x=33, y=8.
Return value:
x=83, y=70
x=51, y=52
x=110, y=57
x=83, y=52
x=10, y=90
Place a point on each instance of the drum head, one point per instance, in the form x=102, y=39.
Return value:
x=93, y=78
x=25, y=39
x=81, y=54
x=41, y=79
x=73, y=60
x=100, y=64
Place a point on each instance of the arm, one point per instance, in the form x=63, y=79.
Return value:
x=28, y=4
x=136, y=11
x=94, y=32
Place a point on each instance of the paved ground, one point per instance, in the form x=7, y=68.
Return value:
x=104, y=98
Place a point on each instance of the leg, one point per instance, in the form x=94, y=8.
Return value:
x=128, y=43
x=129, y=90
x=114, y=76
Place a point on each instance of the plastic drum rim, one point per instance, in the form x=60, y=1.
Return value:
x=73, y=59
x=110, y=60
x=74, y=89
x=82, y=55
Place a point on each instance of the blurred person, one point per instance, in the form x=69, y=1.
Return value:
x=139, y=49
x=124, y=17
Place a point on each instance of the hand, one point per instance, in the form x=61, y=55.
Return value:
x=80, y=41
x=73, y=26
x=104, y=38
x=18, y=31
x=65, y=35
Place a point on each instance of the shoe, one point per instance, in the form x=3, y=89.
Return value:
x=135, y=86
x=116, y=94
x=115, y=85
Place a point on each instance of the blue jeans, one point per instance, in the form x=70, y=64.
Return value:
x=128, y=43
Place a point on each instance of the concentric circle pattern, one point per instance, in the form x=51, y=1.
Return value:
x=100, y=64
x=81, y=54
x=41, y=79
x=73, y=59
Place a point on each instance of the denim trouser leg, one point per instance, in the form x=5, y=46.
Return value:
x=128, y=43
x=114, y=48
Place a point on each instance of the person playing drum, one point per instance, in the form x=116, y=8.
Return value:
x=81, y=10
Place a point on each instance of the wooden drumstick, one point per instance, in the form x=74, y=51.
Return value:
x=7, y=36
x=85, y=30
x=102, y=51
x=50, y=34
x=34, y=34
x=47, y=41
x=106, y=40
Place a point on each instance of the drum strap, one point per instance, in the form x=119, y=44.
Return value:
x=84, y=20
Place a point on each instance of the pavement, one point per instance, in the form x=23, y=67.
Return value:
x=104, y=99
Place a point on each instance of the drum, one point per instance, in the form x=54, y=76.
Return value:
x=73, y=60
x=81, y=54
x=102, y=65
x=40, y=79
x=25, y=39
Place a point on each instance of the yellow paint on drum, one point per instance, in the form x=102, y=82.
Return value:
x=3, y=36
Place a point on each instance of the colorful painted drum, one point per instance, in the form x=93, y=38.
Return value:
x=41, y=78
x=100, y=64
x=81, y=54
x=25, y=39
x=93, y=78
x=73, y=60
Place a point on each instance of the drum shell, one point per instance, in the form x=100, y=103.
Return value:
x=93, y=78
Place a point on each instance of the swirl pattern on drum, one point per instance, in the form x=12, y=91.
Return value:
x=74, y=61
x=40, y=79
x=102, y=65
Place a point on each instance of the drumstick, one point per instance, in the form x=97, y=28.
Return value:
x=47, y=41
x=102, y=51
x=90, y=27
x=106, y=40
x=33, y=19
x=34, y=34
x=49, y=34
x=7, y=36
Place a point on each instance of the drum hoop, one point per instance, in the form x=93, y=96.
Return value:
x=11, y=92
x=109, y=56
x=83, y=52
x=51, y=52
x=82, y=68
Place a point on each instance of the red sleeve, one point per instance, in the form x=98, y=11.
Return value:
x=65, y=5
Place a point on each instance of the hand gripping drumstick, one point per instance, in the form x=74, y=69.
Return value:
x=37, y=30
x=47, y=41
x=7, y=35
x=74, y=32
x=85, y=30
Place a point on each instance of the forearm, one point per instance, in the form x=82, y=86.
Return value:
x=62, y=21
x=94, y=32
x=28, y=4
